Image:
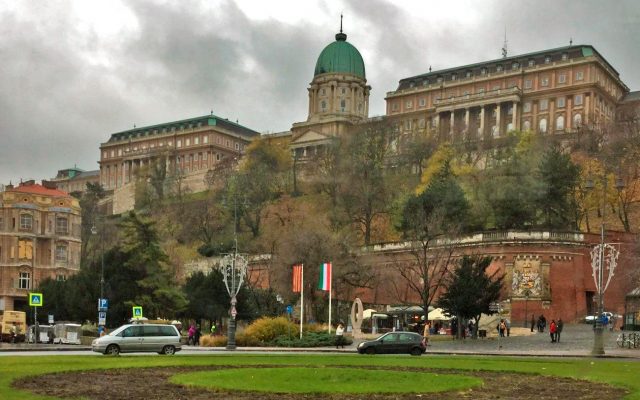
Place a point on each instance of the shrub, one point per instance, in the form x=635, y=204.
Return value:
x=266, y=329
x=213, y=341
x=311, y=339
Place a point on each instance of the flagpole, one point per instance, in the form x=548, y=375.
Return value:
x=301, y=298
x=330, y=273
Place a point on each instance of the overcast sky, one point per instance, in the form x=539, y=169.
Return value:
x=73, y=72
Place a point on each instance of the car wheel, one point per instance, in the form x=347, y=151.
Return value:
x=416, y=351
x=112, y=350
x=370, y=350
x=168, y=350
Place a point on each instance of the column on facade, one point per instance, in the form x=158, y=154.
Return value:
x=312, y=100
x=354, y=106
x=587, y=107
x=552, y=115
x=514, y=115
x=124, y=172
x=467, y=113
x=481, y=122
x=451, y=123
x=568, y=123
x=365, y=101
x=498, y=121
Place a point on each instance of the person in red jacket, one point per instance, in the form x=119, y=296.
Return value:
x=552, y=330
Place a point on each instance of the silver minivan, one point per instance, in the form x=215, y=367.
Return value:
x=163, y=339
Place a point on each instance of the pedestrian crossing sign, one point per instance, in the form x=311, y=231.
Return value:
x=137, y=312
x=35, y=299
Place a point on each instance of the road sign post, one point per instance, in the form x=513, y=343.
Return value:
x=35, y=301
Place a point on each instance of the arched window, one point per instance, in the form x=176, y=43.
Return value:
x=527, y=125
x=560, y=123
x=577, y=121
x=494, y=131
x=323, y=105
x=542, y=125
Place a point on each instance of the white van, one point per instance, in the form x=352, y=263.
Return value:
x=163, y=339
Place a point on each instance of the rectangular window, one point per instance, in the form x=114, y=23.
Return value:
x=26, y=222
x=560, y=102
x=423, y=102
x=409, y=104
x=237, y=146
x=205, y=139
x=544, y=82
x=179, y=143
x=196, y=140
x=61, y=252
x=24, y=282
x=187, y=142
x=562, y=78
x=61, y=277
x=25, y=249
x=527, y=107
x=577, y=100
x=421, y=123
x=407, y=125
x=61, y=226
x=544, y=104
x=579, y=75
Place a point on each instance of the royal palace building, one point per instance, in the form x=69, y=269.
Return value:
x=188, y=146
x=39, y=239
x=551, y=92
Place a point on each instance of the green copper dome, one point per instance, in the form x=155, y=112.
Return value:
x=340, y=56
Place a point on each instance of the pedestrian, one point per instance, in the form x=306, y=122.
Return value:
x=533, y=322
x=552, y=331
x=508, y=326
x=544, y=322
x=559, y=327
x=502, y=328
x=454, y=328
x=213, y=328
x=196, y=337
x=192, y=334
x=471, y=329
x=426, y=332
x=340, y=335
x=14, y=333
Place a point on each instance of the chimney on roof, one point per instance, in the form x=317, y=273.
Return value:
x=30, y=182
x=49, y=184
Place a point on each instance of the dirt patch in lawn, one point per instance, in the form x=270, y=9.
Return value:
x=153, y=383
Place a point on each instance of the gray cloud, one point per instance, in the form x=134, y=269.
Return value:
x=57, y=103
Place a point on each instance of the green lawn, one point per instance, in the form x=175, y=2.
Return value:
x=622, y=373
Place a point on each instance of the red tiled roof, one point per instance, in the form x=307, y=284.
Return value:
x=39, y=189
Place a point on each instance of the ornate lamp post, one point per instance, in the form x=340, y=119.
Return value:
x=526, y=303
x=94, y=231
x=604, y=259
x=234, y=269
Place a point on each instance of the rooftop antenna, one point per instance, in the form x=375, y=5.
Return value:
x=211, y=112
x=504, y=46
x=570, y=42
x=429, y=68
x=340, y=22
x=134, y=126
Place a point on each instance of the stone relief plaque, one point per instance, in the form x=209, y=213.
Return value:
x=527, y=277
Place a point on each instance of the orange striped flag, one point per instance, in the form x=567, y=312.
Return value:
x=297, y=278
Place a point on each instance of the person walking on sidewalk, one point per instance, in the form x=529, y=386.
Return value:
x=533, y=322
x=559, y=327
x=340, y=335
x=426, y=332
x=553, y=330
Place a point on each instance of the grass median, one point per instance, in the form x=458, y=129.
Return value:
x=620, y=373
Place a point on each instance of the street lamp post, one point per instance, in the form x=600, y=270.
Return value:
x=526, y=303
x=94, y=231
x=234, y=269
x=601, y=263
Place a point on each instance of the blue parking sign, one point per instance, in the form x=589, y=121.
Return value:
x=103, y=304
x=289, y=309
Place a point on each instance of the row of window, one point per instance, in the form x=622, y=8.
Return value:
x=26, y=223
x=515, y=65
x=24, y=280
x=197, y=140
x=25, y=251
x=560, y=102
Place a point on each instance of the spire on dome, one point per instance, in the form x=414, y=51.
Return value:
x=341, y=37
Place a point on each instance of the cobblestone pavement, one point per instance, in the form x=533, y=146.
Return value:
x=575, y=340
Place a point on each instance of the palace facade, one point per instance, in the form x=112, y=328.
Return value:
x=39, y=239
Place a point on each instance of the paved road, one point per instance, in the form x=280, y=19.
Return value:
x=576, y=341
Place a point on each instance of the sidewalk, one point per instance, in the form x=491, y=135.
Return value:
x=576, y=341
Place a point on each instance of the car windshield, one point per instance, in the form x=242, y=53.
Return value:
x=117, y=330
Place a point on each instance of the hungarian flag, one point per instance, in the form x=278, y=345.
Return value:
x=325, y=277
x=297, y=278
